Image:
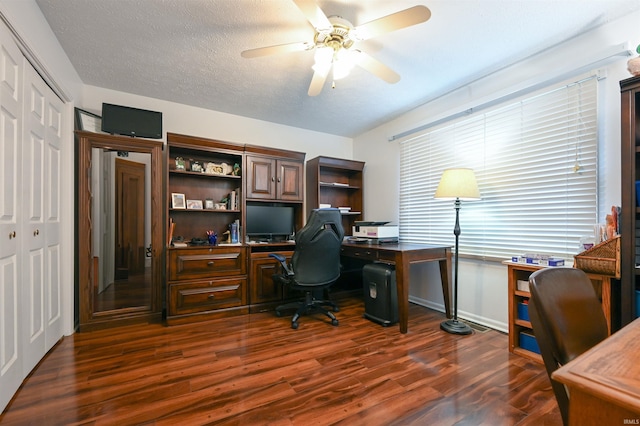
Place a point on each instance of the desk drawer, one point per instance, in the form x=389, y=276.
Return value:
x=206, y=295
x=364, y=253
x=193, y=263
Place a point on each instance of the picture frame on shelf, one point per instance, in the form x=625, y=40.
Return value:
x=194, y=204
x=209, y=204
x=177, y=201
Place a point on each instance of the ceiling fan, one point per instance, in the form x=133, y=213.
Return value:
x=334, y=41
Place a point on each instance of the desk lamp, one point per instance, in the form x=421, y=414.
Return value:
x=457, y=184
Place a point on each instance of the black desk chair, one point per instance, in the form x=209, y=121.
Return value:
x=315, y=264
x=567, y=319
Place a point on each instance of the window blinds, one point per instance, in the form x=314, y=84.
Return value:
x=535, y=160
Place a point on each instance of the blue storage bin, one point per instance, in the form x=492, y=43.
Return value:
x=523, y=311
x=529, y=342
x=637, y=303
x=638, y=193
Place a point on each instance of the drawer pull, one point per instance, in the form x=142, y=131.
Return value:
x=210, y=263
x=211, y=296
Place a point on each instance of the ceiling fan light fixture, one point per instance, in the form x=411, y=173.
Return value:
x=343, y=63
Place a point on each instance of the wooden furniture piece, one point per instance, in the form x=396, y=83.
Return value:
x=521, y=272
x=204, y=281
x=134, y=293
x=264, y=293
x=274, y=174
x=403, y=255
x=339, y=183
x=630, y=220
x=604, y=382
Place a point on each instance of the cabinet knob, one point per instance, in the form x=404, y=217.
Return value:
x=211, y=296
x=36, y=232
x=279, y=179
x=12, y=234
x=273, y=179
x=210, y=263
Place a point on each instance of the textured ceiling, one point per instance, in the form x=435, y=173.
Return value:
x=188, y=51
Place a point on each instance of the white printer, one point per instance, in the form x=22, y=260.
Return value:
x=377, y=232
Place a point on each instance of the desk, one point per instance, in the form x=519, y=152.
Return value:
x=403, y=255
x=604, y=382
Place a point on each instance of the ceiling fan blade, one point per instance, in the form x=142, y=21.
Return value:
x=314, y=14
x=395, y=21
x=376, y=67
x=277, y=49
x=320, y=71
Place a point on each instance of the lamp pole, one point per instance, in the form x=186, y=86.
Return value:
x=454, y=326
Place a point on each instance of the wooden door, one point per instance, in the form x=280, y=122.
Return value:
x=129, y=220
x=290, y=181
x=262, y=287
x=11, y=373
x=261, y=178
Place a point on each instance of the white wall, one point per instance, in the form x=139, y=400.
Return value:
x=188, y=120
x=483, y=285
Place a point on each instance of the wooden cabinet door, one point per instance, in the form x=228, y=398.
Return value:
x=289, y=181
x=262, y=287
x=261, y=178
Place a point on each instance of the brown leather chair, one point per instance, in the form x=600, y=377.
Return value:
x=567, y=319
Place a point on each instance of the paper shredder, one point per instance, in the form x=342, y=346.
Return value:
x=380, y=296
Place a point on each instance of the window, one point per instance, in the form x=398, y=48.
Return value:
x=535, y=160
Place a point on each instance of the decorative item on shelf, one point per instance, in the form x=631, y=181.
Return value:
x=220, y=206
x=633, y=64
x=603, y=258
x=196, y=166
x=236, y=170
x=179, y=163
x=209, y=204
x=212, y=236
x=234, y=231
x=178, y=241
x=198, y=241
x=218, y=169
x=177, y=201
x=457, y=184
x=194, y=204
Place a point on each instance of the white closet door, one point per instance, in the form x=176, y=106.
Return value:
x=11, y=371
x=52, y=192
x=41, y=218
x=34, y=274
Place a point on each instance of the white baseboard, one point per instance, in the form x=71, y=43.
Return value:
x=487, y=322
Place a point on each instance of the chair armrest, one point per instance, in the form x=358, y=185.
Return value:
x=283, y=261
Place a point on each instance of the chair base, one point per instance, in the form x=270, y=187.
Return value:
x=309, y=305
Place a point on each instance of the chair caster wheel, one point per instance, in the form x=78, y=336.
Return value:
x=278, y=314
x=294, y=325
x=334, y=322
x=336, y=309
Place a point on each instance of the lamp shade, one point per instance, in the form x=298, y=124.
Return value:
x=458, y=183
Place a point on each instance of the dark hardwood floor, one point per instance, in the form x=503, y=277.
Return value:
x=256, y=370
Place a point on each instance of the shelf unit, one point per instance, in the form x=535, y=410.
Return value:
x=204, y=281
x=516, y=272
x=602, y=285
x=337, y=182
x=630, y=216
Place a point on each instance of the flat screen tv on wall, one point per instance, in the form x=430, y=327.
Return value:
x=122, y=120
